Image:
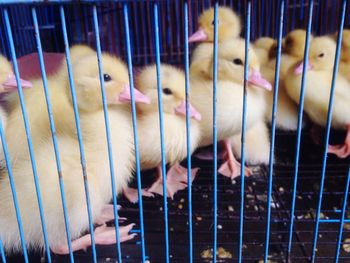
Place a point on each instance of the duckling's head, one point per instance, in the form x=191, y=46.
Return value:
x=173, y=90
x=264, y=43
x=321, y=55
x=80, y=51
x=294, y=43
x=115, y=78
x=231, y=60
x=7, y=78
x=345, y=48
x=229, y=25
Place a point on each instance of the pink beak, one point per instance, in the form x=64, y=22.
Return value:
x=299, y=68
x=125, y=96
x=193, y=113
x=256, y=79
x=11, y=83
x=198, y=36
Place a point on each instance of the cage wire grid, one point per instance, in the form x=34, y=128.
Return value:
x=105, y=21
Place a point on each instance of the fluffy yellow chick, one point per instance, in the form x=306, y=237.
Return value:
x=174, y=124
x=87, y=85
x=230, y=98
x=318, y=85
x=344, y=64
x=229, y=26
x=262, y=47
x=8, y=84
x=293, y=46
x=257, y=144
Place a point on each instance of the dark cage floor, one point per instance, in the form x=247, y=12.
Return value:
x=254, y=213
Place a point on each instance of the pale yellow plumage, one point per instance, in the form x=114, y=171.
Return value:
x=93, y=132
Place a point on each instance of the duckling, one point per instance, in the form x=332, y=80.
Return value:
x=87, y=85
x=229, y=25
x=319, y=78
x=262, y=47
x=229, y=98
x=8, y=84
x=257, y=146
x=174, y=124
x=293, y=46
x=344, y=64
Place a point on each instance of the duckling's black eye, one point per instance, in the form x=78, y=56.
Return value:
x=321, y=55
x=238, y=61
x=167, y=91
x=106, y=77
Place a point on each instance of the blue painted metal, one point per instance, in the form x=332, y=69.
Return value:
x=108, y=135
x=188, y=132
x=244, y=120
x=300, y=121
x=160, y=109
x=14, y=192
x=215, y=130
x=273, y=129
x=2, y=251
x=26, y=125
x=76, y=115
x=328, y=127
x=134, y=123
x=50, y=115
x=342, y=218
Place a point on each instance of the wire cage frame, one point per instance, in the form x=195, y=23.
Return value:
x=144, y=32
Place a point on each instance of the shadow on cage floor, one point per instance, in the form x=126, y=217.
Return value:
x=254, y=213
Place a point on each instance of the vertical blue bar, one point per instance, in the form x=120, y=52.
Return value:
x=300, y=121
x=273, y=130
x=2, y=252
x=215, y=130
x=108, y=135
x=160, y=109
x=13, y=189
x=27, y=129
x=134, y=123
x=49, y=110
x=188, y=130
x=76, y=114
x=246, y=73
x=328, y=127
x=342, y=218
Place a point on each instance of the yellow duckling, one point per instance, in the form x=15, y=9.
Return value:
x=317, y=90
x=87, y=84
